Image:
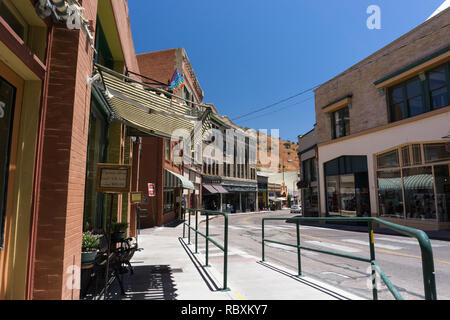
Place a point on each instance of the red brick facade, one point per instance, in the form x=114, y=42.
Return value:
x=61, y=201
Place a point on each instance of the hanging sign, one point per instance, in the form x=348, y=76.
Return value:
x=151, y=189
x=136, y=197
x=113, y=178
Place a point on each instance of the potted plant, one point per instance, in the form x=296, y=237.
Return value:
x=89, y=246
x=118, y=230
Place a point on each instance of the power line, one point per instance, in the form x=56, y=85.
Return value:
x=285, y=107
x=274, y=104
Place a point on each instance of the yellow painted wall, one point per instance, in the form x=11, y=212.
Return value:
x=13, y=256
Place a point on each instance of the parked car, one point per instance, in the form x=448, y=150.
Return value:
x=296, y=209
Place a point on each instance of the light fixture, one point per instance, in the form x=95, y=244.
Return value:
x=422, y=76
x=94, y=78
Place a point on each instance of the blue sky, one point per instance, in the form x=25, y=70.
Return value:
x=249, y=54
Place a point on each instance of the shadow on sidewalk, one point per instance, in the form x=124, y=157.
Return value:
x=154, y=282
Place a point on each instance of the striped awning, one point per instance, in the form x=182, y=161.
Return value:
x=420, y=181
x=151, y=110
x=175, y=180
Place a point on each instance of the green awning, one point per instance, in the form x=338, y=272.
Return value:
x=175, y=180
x=151, y=110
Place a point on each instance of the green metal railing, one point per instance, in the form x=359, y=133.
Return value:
x=424, y=242
x=208, y=239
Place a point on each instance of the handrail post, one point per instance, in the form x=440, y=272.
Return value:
x=298, y=250
x=184, y=223
x=196, y=231
x=262, y=241
x=225, y=262
x=207, y=240
x=429, y=280
x=373, y=261
x=189, y=229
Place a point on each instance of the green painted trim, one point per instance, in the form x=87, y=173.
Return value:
x=306, y=150
x=105, y=109
x=413, y=65
x=336, y=101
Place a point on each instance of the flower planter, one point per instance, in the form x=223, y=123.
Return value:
x=88, y=257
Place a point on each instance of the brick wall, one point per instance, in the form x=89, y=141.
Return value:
x=369, y=108
x=61, y=201
x=158, y=65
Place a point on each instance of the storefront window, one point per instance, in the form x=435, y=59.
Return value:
x=419, y=193
x=442, y=179
x=435, y=152
x=390, y=194
x=410, y=192
x=388, y=160
x=7, y=98
x=95, y=204
x=348, y=195
x=347, y=186
x=169, y=200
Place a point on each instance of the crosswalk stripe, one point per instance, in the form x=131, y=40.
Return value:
x=377, y=245
x=333, y=246
x=413, y=242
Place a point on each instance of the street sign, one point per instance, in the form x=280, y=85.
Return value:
x=151, y=189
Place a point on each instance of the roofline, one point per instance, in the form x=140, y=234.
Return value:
x=382, y=49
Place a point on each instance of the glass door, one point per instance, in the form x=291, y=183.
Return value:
x=7, y=101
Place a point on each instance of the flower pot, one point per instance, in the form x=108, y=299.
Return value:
x=88, y=257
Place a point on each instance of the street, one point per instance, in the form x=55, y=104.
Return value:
x=399, y=257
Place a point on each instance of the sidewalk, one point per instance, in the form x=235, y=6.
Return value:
x=167, y=269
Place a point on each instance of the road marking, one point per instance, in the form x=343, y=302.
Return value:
x=379, y=245
x=410, y=242
x=239, y=296
x=235, y=228
x=333, y=246
x=336, y=274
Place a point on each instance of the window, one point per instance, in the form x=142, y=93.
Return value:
x=436, y=152
x=13, y=18
x=341, y=123
x=388, y=160
x=420, y=94
x=7, y=100
x=347, y=187
x=167, y=148
x=419, y=188
x=169, y=199
x=390, y=193
x=438, y=82
x=309, y=170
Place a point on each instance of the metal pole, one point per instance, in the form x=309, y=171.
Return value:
x=189, y=229
x=225, y=262
x=105, y=291
x=207, y=240
x=196, y=231
x=372, y=263
x=262, y=242
x=184, y=223
x=298, y=250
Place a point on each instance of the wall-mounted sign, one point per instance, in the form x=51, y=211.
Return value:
x=136, y=197
x=113, y=178
x=151, y=189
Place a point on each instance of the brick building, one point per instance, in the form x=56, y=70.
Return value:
x=383, y=129
x=58, y=121
x=177, y=176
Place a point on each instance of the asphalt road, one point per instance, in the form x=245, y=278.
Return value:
x=399, y=257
